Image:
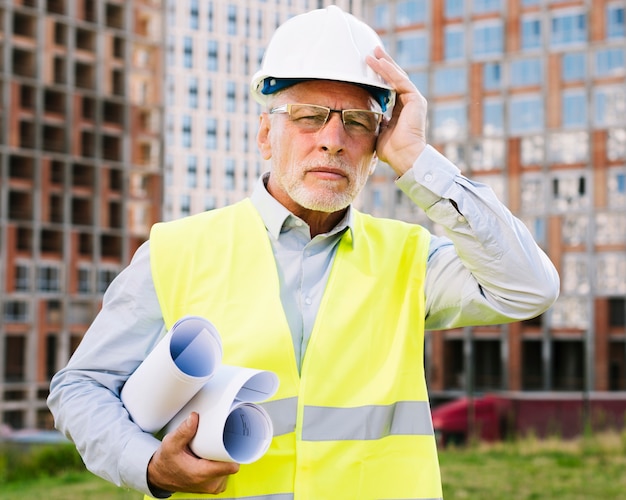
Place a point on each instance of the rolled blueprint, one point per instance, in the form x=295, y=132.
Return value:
x=174, y=371
x=232, y=428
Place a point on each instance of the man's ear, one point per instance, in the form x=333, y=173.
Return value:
x=373, y=163
x=263, y=136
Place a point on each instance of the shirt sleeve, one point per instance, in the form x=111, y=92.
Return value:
x=487, y=269
x=85, y=395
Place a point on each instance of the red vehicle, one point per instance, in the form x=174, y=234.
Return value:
x=497, y=416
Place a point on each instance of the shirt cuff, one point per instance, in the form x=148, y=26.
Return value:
x=134, y=464
x=429, y=179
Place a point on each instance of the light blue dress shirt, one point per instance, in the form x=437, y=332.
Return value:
x=487, y=270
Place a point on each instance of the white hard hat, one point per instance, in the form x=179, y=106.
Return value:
x=323, y=44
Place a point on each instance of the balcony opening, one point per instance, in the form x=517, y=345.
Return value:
x=85, y=244
x=27, y=135
x=487, y=365
x=60, y=34
x=51, y=241
x=54, y=102
x=20, y=205
x=28, y=97
x=83, y=175
x=60, y=70
x=617, y=365
x=88, y=108
x=82, y=211
x=90, y=11
x=56, y=208
x=118, y=47
x=111, y=246
x=117, y=84
x=114, y=16
x=54, y=138
x=115, y=215
x=111, y=148
x=21, y=167
x=56, y=6
x=57, y=172
x=85, y=40
x=454, y=364
x=24, y=25
x=84, y=75
x=87, y=144
x=24, y=63
x=24, y=239
x=113, y=112
x=116, y=180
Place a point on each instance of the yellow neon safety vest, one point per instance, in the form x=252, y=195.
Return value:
x=355, y=424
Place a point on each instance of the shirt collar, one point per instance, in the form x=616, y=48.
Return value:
x=275, y=216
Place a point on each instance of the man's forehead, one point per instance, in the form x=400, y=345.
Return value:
x=330, y=91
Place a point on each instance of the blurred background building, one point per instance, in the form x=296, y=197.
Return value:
x=115, y=114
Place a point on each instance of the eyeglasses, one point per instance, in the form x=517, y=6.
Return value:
x=311, y=118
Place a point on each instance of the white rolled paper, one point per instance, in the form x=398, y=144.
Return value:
x=174, y=371
x=232, y=428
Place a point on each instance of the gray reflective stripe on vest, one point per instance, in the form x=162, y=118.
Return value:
x=283, y=414
x=367, y=422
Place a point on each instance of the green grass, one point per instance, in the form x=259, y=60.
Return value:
x=589, y=468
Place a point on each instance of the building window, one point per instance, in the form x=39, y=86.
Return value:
x=450, y=122
x=616, y=144
x=192, y=92
x=231, y=97
x=570, y=191
x=493, y=117
x=84, y=280
x=526, y=114
x=450, y=81
x=22, y=278
x=568, y=29
x=483, y=6
x=185, y=205
x=208, y=172
x=186, y=132
x=574, y=109
x=492, y=76
x=531, y=34
x=188, y=52
x=611, y=273
x=609, y=62
x=14, y=358
x=212, y=61
x=232, y=20
x=412, y=50
x=573, y=66
x=609, y=104
x=488, y=39
x=617, y=188
x=454, y=8
x=381, y=16
x=209, y=94
x=209, y=17
x=615, y=24
x=16, y=311
x=454, y=43
x=568, y=147
x=192, y=171
x=610, y=228
x=210, y=134
x=105, y=277
x=420, y=80
x=526, y=72
x=48, y=279
x=410, y=12
x=193, y=15
x=229, y=174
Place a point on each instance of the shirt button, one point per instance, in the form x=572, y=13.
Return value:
x=298, y=222
x=460, y=218
x=428, y=177
x=308, y=301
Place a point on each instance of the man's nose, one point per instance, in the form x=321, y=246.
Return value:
x=333, y=134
